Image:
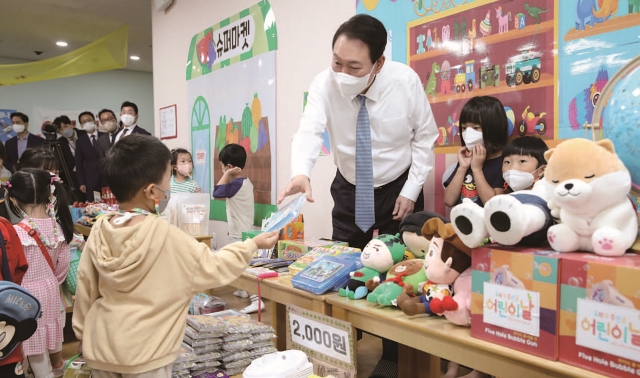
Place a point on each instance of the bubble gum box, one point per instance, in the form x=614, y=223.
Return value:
x=515, y=298
x=600, y=313
x=294, y=249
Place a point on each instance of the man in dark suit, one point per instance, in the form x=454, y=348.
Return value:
x=129, y=119
x=16, y=145
x=88, y=159
x=67, y=138
x=109, y=123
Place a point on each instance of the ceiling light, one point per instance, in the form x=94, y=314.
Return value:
x=62, y=43
x=134, y=57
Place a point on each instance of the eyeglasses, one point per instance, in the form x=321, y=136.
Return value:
x=107, y=120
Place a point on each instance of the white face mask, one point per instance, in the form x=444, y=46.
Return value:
x=518, y=180
x=351, y=85
x=185, y=169
x=471, y=138
x=17, y=128
x=110, y=126
x=89, y=127
x=67, y=133
x=127, y=119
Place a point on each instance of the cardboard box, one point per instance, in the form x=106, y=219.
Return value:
x=515, y=298
x=294, y=249
x=599, y=316
x=294, y=230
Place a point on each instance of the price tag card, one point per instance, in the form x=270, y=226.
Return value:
x=326, y=340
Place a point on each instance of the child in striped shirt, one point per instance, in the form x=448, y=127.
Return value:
x=181, y=168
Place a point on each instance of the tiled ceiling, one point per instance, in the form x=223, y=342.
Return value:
x=30, y=25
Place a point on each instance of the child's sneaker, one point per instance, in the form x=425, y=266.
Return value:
x=59, y=371
x=241, y=294
x=253, y=307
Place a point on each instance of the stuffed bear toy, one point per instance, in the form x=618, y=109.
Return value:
x=521, y=218
x=407, y=274
x=588, y=193
x=411, y=232
x=378, y=256
x=446, y=258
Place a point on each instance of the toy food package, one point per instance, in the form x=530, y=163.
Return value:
x=327, y=273
x=600, y=313
x=316, y=253
x=192, y=213
x=202, y=304
x=294, y=249
x=206, y=323
x=515, y=298
x=294, y=229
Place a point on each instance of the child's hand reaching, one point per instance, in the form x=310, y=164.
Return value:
x=266, y=240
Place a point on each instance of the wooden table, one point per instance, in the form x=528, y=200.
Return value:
x=85, y=230
x=423, y=340
x=280, y=292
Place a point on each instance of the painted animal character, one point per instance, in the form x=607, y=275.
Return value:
x=589, y=186
x=446, y=259
x=534, y=12
x=634, y=6
x=420, y=39
x=472, y=32
x=584, y=14
x=378, y=256
x=581, y=107
x=436, y=41
x=503, y=21
x=445, y=76
x=608, y=9
x=485, y=25
x=446, y=33
x=405, y=275
x=430, y=90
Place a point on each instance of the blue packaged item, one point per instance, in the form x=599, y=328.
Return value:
x=327, y=273
x=285, y=215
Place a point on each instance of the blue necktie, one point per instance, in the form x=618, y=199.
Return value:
x=365, y=209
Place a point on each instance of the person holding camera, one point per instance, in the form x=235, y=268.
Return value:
x=19, y=143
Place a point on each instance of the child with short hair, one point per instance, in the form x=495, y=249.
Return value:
x=137, y=272
x=181, y=169
x=45, y=231
x=238, y=190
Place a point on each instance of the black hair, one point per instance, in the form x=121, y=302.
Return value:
x=131, y=105
x=414, y=222
x=33, y=187
x=39, y=158
x=527, y=146
x=175, y=153
x=22, y=116
x=107, y=111
x=233, y=154
x=133, y=163
x=59, y=121
x=489, y=113
x=85, y=113
x=3, y=153
x=366, y=29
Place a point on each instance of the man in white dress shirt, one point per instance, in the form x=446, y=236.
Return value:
x=402, y=129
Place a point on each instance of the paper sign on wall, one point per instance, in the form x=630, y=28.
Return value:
x=326, y=340
x=514, y=309
x=610, y=328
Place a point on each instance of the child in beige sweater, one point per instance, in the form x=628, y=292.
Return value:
x=137, y=272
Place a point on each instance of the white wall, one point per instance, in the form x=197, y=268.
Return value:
x=91, y=92
x=305, y=30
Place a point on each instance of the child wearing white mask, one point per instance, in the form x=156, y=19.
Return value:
x=478, y=174
x=181, y=169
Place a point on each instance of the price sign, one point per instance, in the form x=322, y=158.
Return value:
x=201, y=157
x=323, y=338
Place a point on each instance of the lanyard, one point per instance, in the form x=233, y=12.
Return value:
x=126, y=215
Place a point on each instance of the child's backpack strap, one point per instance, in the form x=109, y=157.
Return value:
x=35, y=237
x=6, y=270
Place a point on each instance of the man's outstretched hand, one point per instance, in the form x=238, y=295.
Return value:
x=298, y=184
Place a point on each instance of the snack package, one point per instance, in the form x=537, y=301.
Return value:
x=180, y=366
x=237, y=345
x=186, y=354
x=228, y=357
x=258, y=352
x=192, y=213
x=206, y=323
x=207, y=356
x=198, y=343
x=237, y=364
x=202, y=304
x=207, y=349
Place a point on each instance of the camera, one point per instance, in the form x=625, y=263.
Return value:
x=50, y=131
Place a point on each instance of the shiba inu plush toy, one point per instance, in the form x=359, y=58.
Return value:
x=588, y=193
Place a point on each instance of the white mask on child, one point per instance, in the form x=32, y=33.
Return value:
x=184, y=169
x=472, y=137
x=518, y=180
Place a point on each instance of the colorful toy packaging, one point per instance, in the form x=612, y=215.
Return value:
x=294, y=229
x=515, y=298
x=599, y=316
x=294, y=249
x=317, y=253
x=327, y=273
